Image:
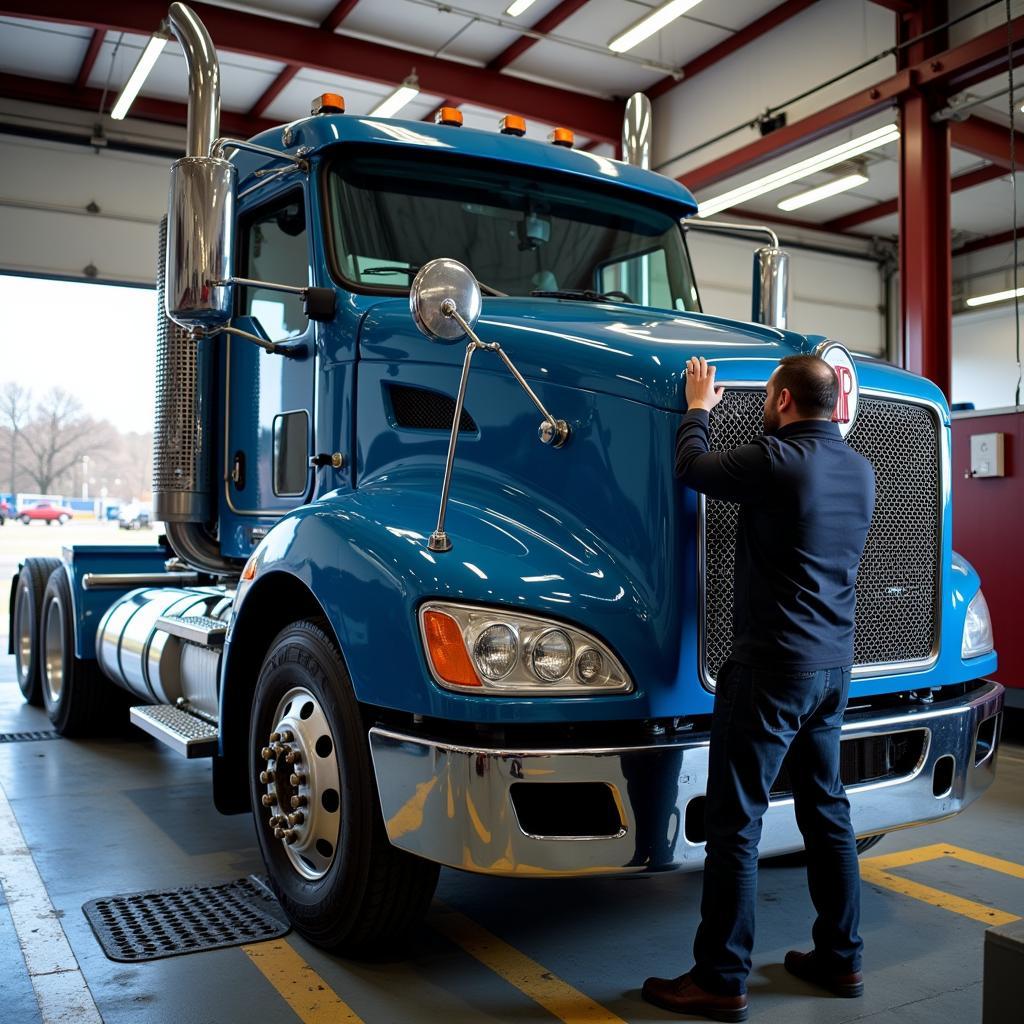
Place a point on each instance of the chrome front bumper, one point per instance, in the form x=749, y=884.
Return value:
x=452, y=804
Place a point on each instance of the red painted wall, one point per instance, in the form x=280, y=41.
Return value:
x=988, y=530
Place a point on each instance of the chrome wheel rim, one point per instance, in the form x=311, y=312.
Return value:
x=302, y=783
x=53, y=651
x=23, y=633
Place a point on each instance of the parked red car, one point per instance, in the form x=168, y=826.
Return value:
x=47, y=511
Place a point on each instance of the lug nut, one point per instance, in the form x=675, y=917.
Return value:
x=266, y=777
x=266, y=753
x=296, y=818
x=286, y=736
x=268, y=799
x=276, y=820
x=290, y=836
x=293, y=757
x=297, y=778
x=298, y=801
x=279, y=833
x=274, y=737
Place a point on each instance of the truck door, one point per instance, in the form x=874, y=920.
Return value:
x=268, y=432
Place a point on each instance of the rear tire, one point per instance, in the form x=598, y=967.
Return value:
x=25, y=520
x=77, y=696
x=28, y=604
x=339, y=879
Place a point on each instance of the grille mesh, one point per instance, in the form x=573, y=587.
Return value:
x=898, y=578
x=423, y=409
x=180, y=464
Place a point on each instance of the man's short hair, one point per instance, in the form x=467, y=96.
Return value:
x=812, y=383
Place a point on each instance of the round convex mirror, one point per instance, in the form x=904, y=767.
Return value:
x=438, y=281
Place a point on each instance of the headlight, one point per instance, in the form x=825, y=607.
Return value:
x=491, y=651
x=977, y=628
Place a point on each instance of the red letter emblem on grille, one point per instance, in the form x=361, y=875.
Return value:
x=842, y=409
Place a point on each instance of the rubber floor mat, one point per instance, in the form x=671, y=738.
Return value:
x=38, y=734
x=138, y=926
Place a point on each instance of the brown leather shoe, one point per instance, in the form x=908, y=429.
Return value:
x=684, y=995
x=807, y=968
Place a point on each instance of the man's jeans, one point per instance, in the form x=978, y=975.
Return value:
x=760, y=715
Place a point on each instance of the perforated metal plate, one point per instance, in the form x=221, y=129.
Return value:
x=425, y=409
x=135, y=927
x=21, y=737
x=898, y=579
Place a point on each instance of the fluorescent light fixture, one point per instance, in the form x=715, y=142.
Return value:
x=649, y=24
x=145, y=63
x=404, y=94
x=815, y=195
x=517, y=7
x=984, y=300
x=798, y=171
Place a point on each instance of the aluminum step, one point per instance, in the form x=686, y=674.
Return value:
x=188, y=735
x=195, y=629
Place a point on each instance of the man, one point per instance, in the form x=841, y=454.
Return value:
x=806, y=501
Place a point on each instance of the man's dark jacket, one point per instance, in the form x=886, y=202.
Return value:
x=806, y=500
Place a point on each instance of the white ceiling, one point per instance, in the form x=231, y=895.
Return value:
x=576, y=58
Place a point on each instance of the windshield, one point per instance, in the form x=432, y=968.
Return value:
x=519, y=231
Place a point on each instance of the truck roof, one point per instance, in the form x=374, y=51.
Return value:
x=324, y=130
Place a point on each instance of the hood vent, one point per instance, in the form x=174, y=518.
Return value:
x=425, y=409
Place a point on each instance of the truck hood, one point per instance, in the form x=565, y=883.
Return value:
x=634, y=352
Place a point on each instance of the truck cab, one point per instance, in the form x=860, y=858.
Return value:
x=430, y=593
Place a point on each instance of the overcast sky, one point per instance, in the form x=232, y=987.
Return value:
x=96, y=341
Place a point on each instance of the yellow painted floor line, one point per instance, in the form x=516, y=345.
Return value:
x=61, y=991
x=312, y=999
x=556, y=996
x=878, y=871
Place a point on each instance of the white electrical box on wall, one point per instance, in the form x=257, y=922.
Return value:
x=987, y=455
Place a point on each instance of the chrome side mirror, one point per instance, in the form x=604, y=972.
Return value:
x=445, y=304
x=442, y=288
x=200, y=242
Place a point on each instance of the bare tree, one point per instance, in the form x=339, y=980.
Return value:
x=57, y=437
x=15, y=402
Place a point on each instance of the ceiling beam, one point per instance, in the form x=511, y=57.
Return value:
x=337, y=15
x=989, y=241
x=339, y=12
x=988, y=140
x=978, y=58
x=271, y=39
x=969, y=179
x=897, y=6
x=59, y=94
x=89, y=60
x=748, y=34
x=547, y=24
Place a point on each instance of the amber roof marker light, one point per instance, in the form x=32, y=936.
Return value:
x=512, y=124
x=327, y=103
x=450, y=116
x=562, y=137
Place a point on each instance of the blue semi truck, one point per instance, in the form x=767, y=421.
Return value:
x=429, y=593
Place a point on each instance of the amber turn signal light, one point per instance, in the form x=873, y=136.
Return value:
x=449, y=115
x=447, y=650
x=328, y=103
x=512, y=124
x=562, y=137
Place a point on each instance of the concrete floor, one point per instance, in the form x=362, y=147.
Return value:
x=109, y=816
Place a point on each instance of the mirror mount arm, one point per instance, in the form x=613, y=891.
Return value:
x=318, y=303
x=223, y=143
x=267, y=346
x=552, y=431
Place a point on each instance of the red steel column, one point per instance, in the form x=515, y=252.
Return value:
x=925, y=258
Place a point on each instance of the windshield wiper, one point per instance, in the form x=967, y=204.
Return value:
x=584, y=294
x=413, y=271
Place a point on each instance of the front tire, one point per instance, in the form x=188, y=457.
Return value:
x=318, y=819
x=63, y=519
x=25, y=520
x=28, y=605
x=78, y=697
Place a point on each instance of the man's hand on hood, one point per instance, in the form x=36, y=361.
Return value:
x=701, y=392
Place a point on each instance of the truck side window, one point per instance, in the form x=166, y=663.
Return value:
x=291, y=452
x=276, y=250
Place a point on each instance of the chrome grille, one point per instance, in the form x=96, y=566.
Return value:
x=897, y=586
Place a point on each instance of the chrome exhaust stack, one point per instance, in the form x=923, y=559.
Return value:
x=194, y=263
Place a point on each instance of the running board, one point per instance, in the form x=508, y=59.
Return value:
x=194, y=629
x=186, y=734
